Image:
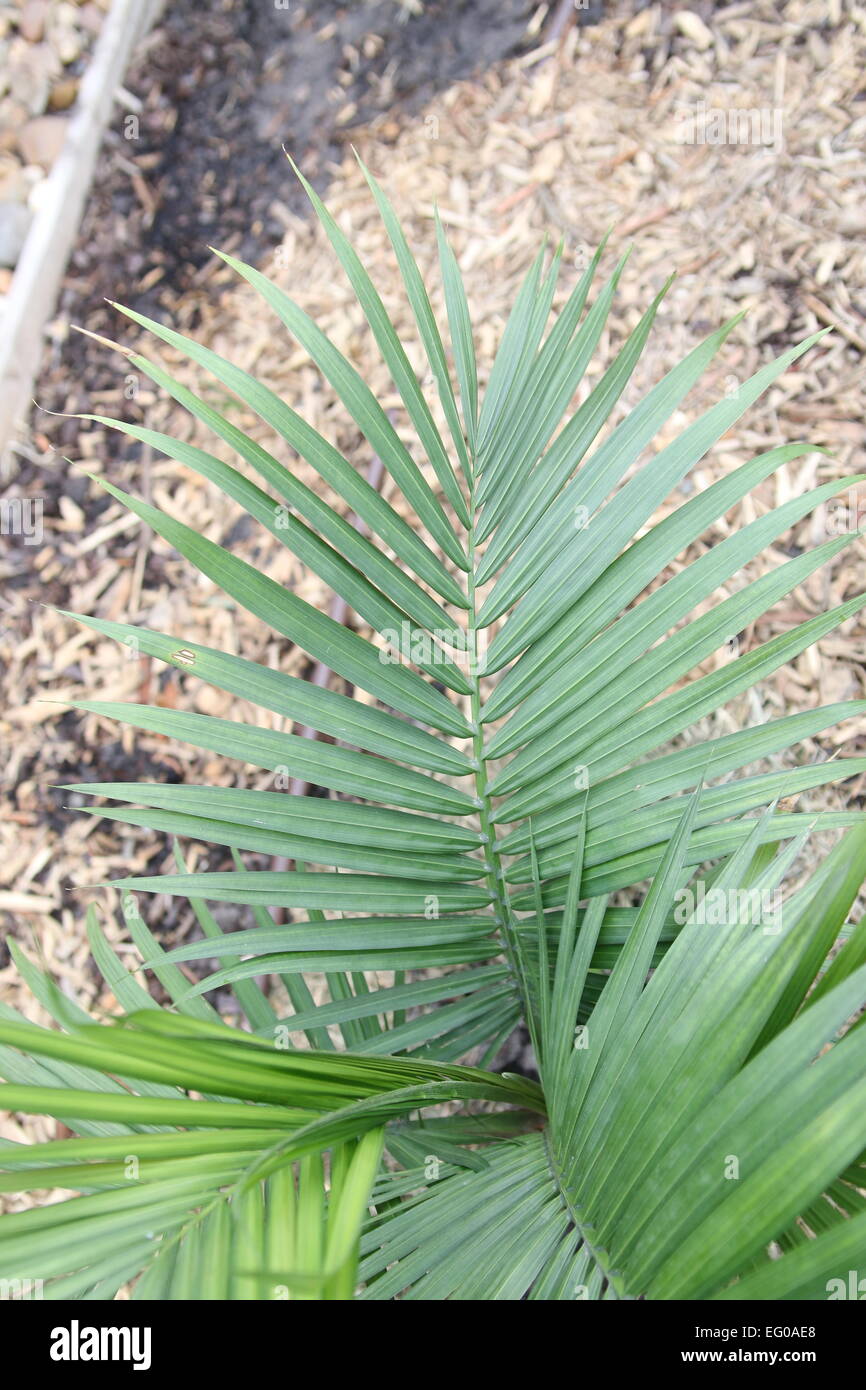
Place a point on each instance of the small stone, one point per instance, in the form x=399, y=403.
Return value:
x=41, y=140
x=38, y=188
x=852, y=221
x=14, y=184
x=14, y=225
x=694, y=28
x=63, y=94
x=62, y=30
x=13, y=114
x=31, y=68
x=31, y=21
x=90, y=18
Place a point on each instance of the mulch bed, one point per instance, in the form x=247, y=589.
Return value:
x=565, y=139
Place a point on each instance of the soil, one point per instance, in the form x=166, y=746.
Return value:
x=219, y=89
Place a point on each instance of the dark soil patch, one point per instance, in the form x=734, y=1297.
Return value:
x=223, y=86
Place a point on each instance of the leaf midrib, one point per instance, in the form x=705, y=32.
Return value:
x=495, y=879
x=494, y=876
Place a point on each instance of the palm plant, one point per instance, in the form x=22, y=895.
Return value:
x=699, y=1110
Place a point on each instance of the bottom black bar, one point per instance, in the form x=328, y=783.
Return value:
x=71, y=1339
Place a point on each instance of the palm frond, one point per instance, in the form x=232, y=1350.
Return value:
x=468, y=837
x=688, y=1124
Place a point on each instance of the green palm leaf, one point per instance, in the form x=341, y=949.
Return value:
x=464, y=842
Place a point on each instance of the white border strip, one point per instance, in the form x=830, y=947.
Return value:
x=39, y=271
